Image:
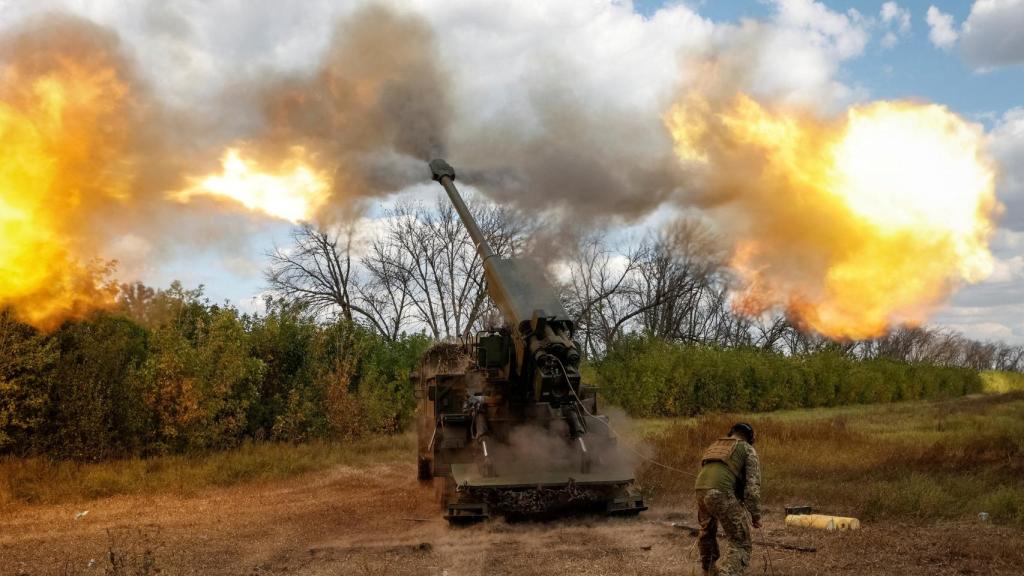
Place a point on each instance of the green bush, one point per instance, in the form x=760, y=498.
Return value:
x=651, y=377
x=24, y=388
x=95, y=406
x=171, y=373
x=996, y=381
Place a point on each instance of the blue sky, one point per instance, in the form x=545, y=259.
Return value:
x=617, y=52
x=913, y=69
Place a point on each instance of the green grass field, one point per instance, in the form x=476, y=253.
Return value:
x=916, y=460
x=908, y=461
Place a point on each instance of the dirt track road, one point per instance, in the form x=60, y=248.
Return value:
x=380, y=521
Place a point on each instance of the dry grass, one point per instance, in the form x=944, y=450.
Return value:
x=945, y=459
x=920, y=460
x=46, y=481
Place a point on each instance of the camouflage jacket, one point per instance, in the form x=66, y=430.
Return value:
x=738, y=473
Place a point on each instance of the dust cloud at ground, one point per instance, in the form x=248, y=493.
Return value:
x=535, y=449
x=631, y=451
x=532, y=449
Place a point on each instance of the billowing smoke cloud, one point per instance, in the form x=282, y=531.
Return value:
x=595, y=149
x=589, y=161
x=534, y=449
x=104, y=158
x=96, y=164
x=379, y=94
x=380, y=104
x=363, y=123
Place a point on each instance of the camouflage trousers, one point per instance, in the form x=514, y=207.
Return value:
x=714, y=509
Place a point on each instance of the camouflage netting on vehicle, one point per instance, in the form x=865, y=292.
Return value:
x=446, y=358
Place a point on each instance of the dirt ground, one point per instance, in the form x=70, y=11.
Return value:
x=381, y=521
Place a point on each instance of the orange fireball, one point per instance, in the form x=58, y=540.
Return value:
x=295, y=190
x=850, y=225
x=61, y=131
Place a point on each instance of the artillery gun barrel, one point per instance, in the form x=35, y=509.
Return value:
x=445, y=174
x=517, y=286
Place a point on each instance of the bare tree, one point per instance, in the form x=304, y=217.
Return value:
x=386, y=293
x=799, y=341
x=678, y=291
x=427, y=262
x=422, y=271
x=671, y=285
x=594, y=291
x=317, y=269
x=979, y=355
x=769, y=332
x=1009, y=358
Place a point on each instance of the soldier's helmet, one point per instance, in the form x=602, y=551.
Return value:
x=745, y=429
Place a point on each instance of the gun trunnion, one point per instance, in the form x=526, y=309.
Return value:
x=505, y=425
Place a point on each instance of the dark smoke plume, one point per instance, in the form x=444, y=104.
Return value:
x=376, y=109
x=591, y=160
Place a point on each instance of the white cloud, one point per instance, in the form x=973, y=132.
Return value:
x=890, y=40
x=843, y=34
x=894, y=14
x=254, y=303
x=502, y=53
x=993, y=34
x=986, y=331
x=189, y=50
x=896, y=21
x=942, y=31
x=1008, y=241
x=986, y=312
x=796, y=55
x=196, y=51
x=1007, y=145
x=1009, y=270
x=994, y=308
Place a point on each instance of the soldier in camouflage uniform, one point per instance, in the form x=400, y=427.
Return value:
x=728, y=488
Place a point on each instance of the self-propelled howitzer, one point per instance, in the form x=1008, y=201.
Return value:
x=505, y=424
